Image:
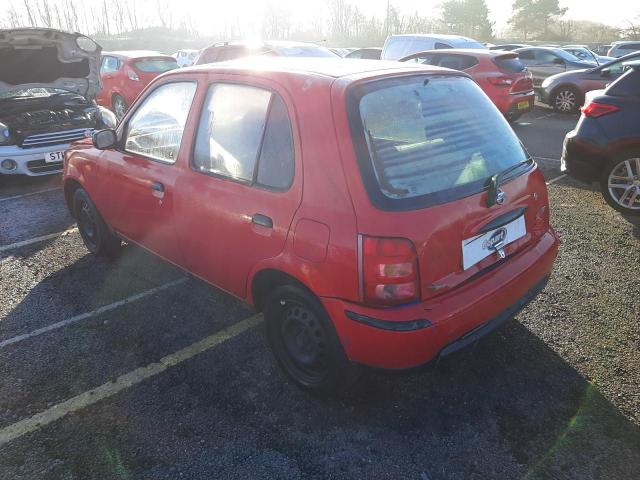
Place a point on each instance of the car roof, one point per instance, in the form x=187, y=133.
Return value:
x=435, y=35
x=268, y=43
x=469, y=51
x=323, y=67
x=136, y=53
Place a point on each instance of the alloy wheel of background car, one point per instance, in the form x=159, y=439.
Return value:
x=119, y=106
x=566, y=100
x=87, y=225
x=304, y=341
x=621, y=188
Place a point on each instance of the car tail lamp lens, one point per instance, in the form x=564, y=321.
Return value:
x=595, y=109
x=500, y=81
x=133, y=75
x=389, y=271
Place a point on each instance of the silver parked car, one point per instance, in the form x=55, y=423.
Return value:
x=565, y=92
x=619, y=49
x=583, y=52
x=543, y=62
x=400, y=46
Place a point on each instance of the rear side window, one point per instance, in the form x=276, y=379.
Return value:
x=628, y=85
x=245, y=135
x=109, y=65
x=509, y=63
x=442, y=46
x=155, y=129
x=457, y=62
x=426, y=140
x=630, y=46
x=527, y=55
x=155, y=65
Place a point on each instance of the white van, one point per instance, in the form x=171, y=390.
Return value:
x=399, y=46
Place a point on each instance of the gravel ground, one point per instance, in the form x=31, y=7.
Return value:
x=554, y=394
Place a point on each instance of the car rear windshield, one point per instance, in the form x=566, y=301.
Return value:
x=425, y=140
x=509, y=63
x=155, y=65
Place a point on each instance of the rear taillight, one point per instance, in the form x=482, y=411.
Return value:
x=500, y=81
x=595, y=109
x=389, y=271
x=132, y=75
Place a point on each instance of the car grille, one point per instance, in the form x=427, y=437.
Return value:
x=40, y=166
x=56, y=138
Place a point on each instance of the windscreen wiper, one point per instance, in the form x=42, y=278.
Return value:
x=495, y=194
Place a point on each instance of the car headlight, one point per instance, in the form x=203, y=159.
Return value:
x=5, y=134
x=108, y=118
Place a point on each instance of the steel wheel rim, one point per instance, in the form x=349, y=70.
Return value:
x=304, y=342
x=566, y=101
x=624, y=184
x=87, y=224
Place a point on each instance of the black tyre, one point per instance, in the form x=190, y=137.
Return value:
x=119, y=106
x=620, y=183
x=94, y=231
x=513, y=117
x=566, y=100
x=305, y=343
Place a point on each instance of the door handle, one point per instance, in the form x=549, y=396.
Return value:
x=262, y=220
x=158, y=187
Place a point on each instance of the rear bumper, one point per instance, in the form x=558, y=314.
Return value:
x=509, y=104
x=447, y=323
x=581, y=159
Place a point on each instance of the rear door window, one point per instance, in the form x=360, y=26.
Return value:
x=155, y=65
x=425, y=140
x=509, y=63
x=245, y=135
x=109, y=65
x=457, y=62
x=527, y=55
x=442, y=46
x=627, y=85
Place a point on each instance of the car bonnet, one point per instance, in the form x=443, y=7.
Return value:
x=48, y=58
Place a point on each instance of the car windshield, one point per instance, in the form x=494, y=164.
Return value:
x=565, y=55
x=305, y=51
x=428, y=135
x=156, y=65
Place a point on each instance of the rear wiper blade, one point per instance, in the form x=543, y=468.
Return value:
x=494, y=182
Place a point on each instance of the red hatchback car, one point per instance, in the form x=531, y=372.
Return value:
x=502, y=76
x=378, y=213
x=125, y=74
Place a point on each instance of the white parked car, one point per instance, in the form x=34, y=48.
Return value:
x=44, y=109
x=619, y=49
x=186, y=58
x=400, y=46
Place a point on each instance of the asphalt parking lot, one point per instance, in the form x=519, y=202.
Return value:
x=133, y=370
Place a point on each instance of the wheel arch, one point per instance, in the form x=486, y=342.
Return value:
x=267, y=280
x=71, y=185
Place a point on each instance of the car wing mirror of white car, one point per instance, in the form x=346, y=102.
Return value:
x=104, y=139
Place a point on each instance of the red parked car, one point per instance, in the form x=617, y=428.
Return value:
x=502, y=76
x=125, y=74
x=378, y=213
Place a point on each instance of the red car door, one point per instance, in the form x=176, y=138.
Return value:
x=236, y=202
x=143, y=172
x=108, y=76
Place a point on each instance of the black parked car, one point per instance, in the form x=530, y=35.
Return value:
x=605, y=145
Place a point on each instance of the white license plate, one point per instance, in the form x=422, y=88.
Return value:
x=490, y=243
x=52, y=157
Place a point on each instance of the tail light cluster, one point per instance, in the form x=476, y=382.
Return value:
x=389, y=271
x=523, y=85
x=500, y=81
x=595, y=109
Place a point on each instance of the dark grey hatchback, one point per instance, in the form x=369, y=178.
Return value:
x=605, y=145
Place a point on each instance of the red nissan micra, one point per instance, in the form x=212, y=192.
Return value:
x=378, y=213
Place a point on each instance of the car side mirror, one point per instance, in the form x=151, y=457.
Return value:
x=104, y=139
x=558, y=61
x=605, y=72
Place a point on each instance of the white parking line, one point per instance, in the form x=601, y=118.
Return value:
x=16, y=197
x=106, y=390
x=554, y=180
x=547, y=159
x=84, y=316
x=43, y=238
